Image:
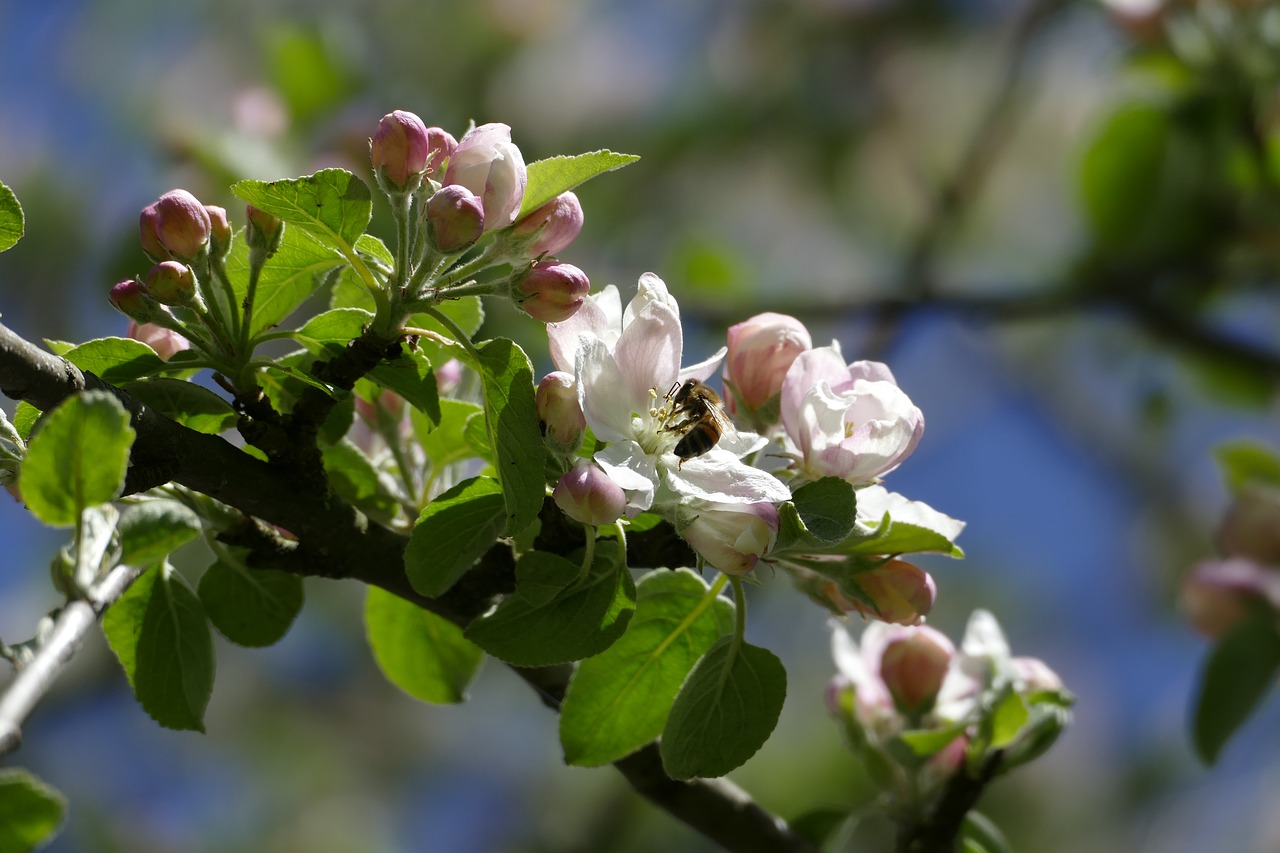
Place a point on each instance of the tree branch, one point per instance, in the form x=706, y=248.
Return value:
x=336, y=540
x=37, y=675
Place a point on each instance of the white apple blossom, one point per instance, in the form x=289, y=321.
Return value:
x=624, y=363
x=847, y=421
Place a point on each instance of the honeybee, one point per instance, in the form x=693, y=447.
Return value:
x=698, y=415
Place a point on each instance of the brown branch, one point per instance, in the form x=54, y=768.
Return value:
x=336, y=540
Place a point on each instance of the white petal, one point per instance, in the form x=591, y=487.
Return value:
x=650, y=289
x=602, y=393
x=720, y=476
x=633, y=470
x=703, y=369
x=648, y=353
x=600, y=314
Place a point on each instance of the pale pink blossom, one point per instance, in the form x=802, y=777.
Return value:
x=730, y=537
x=848, y=421
x=492, y=167
x=761, y=350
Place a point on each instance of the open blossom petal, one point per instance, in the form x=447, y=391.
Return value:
x=720, y=477
x=635, y=472
x=605, y=396
x=650, y=290
x=848, y=421
x=649, y=349
x=703, y=370
x=600, y=314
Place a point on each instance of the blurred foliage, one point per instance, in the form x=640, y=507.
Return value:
x=796, y=155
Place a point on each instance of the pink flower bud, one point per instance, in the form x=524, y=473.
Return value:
x=174, y=226
x=761, y=350
x=130, y=298
x=171, y=283
x=730, y=537
x=899, y=592
x=551, y=291
x=1251, y=527
x=1219, y=593
x=263, y=232
x=400, y=149
x=440, y=148
x=552, y=227
x=456, y=216
x=559, y=411
x=1035, y=676
x=586, y=494
x=913, y=666
x=165, y=342
x=448, y=375
x=492, y=167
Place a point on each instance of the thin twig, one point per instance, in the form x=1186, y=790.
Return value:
x=33, y=680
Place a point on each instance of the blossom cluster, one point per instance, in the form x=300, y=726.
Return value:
x=898, y=683
x=620, y=376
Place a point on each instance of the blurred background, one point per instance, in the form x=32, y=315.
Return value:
x=1058, y=222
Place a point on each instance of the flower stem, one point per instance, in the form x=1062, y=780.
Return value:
x=739, y=613
x=458, y=335
x=588, y=554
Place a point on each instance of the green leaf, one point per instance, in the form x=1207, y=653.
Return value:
x=31, y=812
x=446, y=443
x=901, y=527
x=191, y=405
x=327, y=333
x=423, y=654
x=411, y=376
x=292, y=274
x=618, y=701
x=152, y=530
x=161, y=635
x=115, y=360
x=541, y=576
x=1240, y=670
x=250, y=607
x=1007, y=720
x=372, y=247
x=819, y=515
x=980, y=835
x=333, y=205
x=354, y=479
x=925, y=743
x=25, y=416
x=584, y=620
x=725, y=711
x=11, y=219
x=452, y=532
x=1244, y=462
x=78, y=458
x=514, y=432
x=548, y=178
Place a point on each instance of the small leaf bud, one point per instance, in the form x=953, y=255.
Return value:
x=587, y=495
x=174, y=226
x=171, y=283
x=400, y=150
x=559, y=411
x=456, y=217
x=263, y=232
x=551, y=291
x=551, y=227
